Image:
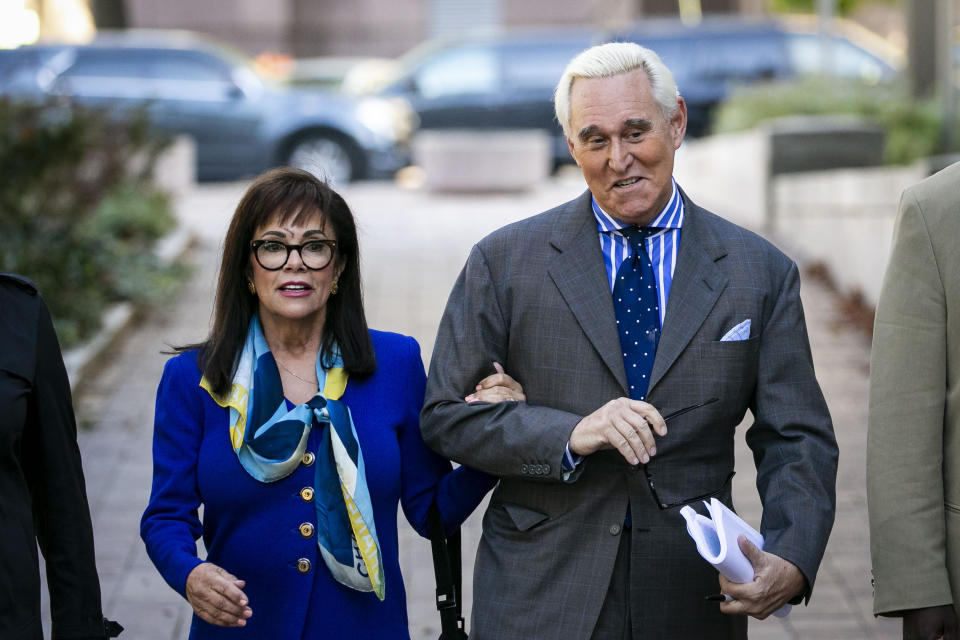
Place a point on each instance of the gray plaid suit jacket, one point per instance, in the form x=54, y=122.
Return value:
x=535, y=296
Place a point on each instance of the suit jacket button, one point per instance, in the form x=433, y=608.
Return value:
x=614, y=529
x=546, y=469
x=307, y=494
x=523, y=468
x=303, y=565
x=306, y=529
x=308, y=459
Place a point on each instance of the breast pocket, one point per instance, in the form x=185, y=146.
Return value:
x=731, y=366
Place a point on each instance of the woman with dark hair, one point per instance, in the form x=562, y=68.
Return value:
x=42, y=494
x=297, y=430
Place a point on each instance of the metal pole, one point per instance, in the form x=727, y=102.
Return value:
x=945, y=76
x=826, y=10
x=921, y=34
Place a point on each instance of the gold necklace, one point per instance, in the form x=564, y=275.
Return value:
x=282, y=366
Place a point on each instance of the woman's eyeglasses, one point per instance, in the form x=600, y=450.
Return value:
x=272, y=255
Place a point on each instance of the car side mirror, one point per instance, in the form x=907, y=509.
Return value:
x=234, y=92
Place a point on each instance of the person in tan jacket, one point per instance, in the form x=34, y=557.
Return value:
x=913, y=444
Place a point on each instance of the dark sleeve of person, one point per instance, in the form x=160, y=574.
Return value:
x=792, y=439
x=52, y=466
x=502, y=439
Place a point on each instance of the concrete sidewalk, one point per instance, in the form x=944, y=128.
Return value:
x=413, y=245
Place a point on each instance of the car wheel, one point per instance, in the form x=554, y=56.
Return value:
x=324, y=157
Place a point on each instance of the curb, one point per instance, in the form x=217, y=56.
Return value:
x=118, y=317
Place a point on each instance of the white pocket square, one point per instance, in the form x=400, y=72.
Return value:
x=739, y=332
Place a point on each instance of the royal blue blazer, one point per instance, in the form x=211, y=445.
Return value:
x=252, y=529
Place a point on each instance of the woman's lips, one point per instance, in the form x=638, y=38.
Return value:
x=295, y=289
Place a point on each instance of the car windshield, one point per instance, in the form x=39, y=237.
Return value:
x=810, y=54
x=517, y=60
x=407, y=63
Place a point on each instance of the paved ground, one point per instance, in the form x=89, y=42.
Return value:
x=413, y=245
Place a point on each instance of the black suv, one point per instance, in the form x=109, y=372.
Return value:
x=710, y=59
x=490, y=82
x=506, y=81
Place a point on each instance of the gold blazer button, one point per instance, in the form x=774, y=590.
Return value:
x=308, y=458
x=306, y=529
x=307, y=494
x=303, y=565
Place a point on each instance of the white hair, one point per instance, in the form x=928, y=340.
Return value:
x=612, y=59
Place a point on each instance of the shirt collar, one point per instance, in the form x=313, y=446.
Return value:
x=670, y=217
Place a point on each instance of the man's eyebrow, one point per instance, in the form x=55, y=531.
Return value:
x=637, y=123
x=588, y=131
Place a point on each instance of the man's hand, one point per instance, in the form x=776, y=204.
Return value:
x=775, y=581
x=216, y=596
x=622, y=424
x=930, y=623
x=498, y=387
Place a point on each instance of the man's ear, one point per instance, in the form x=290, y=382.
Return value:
x=678, y=123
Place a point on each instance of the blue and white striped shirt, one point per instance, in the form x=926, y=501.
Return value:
x=661, y=246
x=662, y=249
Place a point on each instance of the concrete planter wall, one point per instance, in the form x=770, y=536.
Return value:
x=844, y=219
x=840, y=217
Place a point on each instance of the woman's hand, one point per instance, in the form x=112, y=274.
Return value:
x=497, y=388
x=216, y=596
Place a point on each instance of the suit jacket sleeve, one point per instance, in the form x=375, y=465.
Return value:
x=792, y=439
x=908, y=381
x=426, y=476
x=511, y=439
x=61, y=513
x=170, y=526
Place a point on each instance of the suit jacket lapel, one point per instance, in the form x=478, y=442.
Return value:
x=697, y=284
x=581, y=277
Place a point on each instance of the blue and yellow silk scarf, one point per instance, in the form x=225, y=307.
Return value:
x=270, y=440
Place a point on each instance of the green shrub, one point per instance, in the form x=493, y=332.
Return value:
x=912, y=128
x=78, y=212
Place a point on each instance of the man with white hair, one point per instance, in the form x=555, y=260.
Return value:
x=642, y=328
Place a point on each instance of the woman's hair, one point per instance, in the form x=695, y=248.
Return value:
x=612, y=59
x=291, y=196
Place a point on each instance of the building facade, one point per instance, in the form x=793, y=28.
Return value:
x=306, y=28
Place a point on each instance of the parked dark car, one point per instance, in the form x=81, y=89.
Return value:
x=506, y=81
x=242, y=123
x=489, y=82
x=721, y=53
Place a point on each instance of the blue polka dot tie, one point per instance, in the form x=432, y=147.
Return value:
x=637, y=308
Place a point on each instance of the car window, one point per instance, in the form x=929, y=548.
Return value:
x=844, y=58
x=719, y=58
x=147, y=74
x=466, y=70
x=678, y=55
x=107, y=63
x=188, y=66
x=104, y=74
x=19, y=67
x=537, y=65
x=742, y=58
